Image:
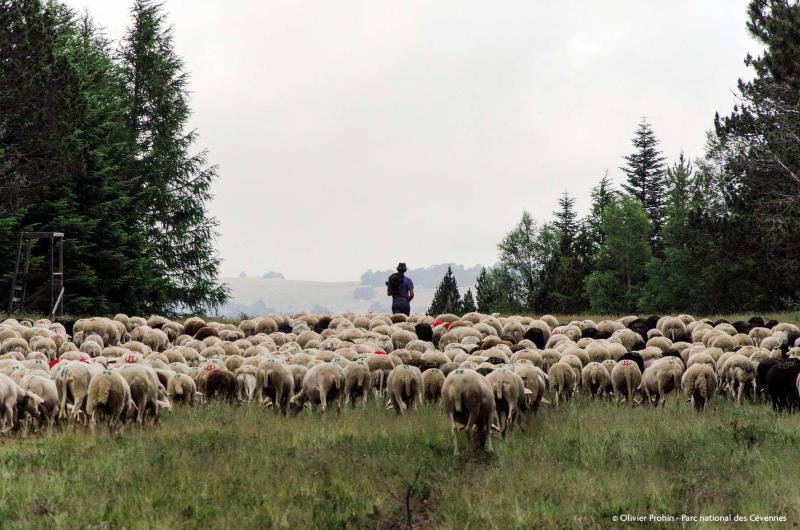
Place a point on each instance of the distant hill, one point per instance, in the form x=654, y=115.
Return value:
x=426, y=277
x=255, y=296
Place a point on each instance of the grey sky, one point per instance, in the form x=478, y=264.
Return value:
x=355, y=134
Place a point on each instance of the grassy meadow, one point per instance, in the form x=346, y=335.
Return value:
x=219, y=466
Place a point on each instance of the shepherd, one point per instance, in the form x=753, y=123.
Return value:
x=401, y=289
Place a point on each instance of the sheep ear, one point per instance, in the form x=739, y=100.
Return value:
x=528, y=391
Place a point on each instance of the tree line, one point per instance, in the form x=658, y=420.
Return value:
x=720, y=234
x=94, y=143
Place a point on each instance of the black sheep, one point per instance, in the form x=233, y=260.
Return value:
x=590, y=333
x=781, y=385
x=536, y=336
x=322, y=324
x=756, y=322
x=761, y=376
x=205, y=332
x=742, y=327
x=221, y=384
x=424, y=332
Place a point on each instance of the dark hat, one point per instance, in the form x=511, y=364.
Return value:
x=401, y=267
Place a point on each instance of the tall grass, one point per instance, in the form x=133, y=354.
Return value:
x=219, y=466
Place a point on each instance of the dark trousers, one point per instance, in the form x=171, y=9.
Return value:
x=401, y=305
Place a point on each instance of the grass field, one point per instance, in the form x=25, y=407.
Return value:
x=219, y=466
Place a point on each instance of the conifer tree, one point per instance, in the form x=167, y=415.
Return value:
x=566, y=222
x=446, y=298
x=601, y=195
x=468, y=303
x=172, y=183
x=645, y=177
x=484, y=292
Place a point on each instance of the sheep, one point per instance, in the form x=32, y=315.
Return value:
x=468, y=400
x=674, y=329
x=145, y=390
x=509, y=392
x=561, y=379
x=596, y=379
x=699, y=383
x=45, y=388
x=660, y=378
x=298, y=372
x=534, y=380
x=221, y=384
x=357, y=382
x=323, y=383
x=625, y=379
x=432, y=382
x=16, y=402
x=739, y=373
x=538, y=332
x=181, y=388
x=108, y=398
x=246, y=377
x=274, y=381
x=72, y=380
x=404, y=385
x=781, y=385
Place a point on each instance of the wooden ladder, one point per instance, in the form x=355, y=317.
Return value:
x=20, y=300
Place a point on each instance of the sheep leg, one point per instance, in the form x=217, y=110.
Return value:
x=454, y=431
x=8, y=419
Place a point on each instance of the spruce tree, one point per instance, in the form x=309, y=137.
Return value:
x=172, y=183
x=645, y=177
x=484, y=293
x=672, y=278
x=566, y=222
x=756, y=148
x=446, y=298
x=601, y=195
x=468, y=303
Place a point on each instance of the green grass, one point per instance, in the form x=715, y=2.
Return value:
x=575, y=467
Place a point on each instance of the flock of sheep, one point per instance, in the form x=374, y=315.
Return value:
x=488, y=372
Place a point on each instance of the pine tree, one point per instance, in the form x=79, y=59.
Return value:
x=672, y=279
x=484, y=293
x=602, y=195
x=446, y=298
x=468, y=303
x=566, y=222
x=756, y=150
x=173, y=184
x=39, y=106
x=645, y=173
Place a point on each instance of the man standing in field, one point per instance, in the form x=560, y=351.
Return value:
x=401, y=289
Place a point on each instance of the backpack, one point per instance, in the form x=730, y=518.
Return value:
x=394, y=284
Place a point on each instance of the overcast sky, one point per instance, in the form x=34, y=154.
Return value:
x=356, y=134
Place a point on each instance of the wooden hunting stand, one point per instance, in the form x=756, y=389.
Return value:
x=54, y=281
